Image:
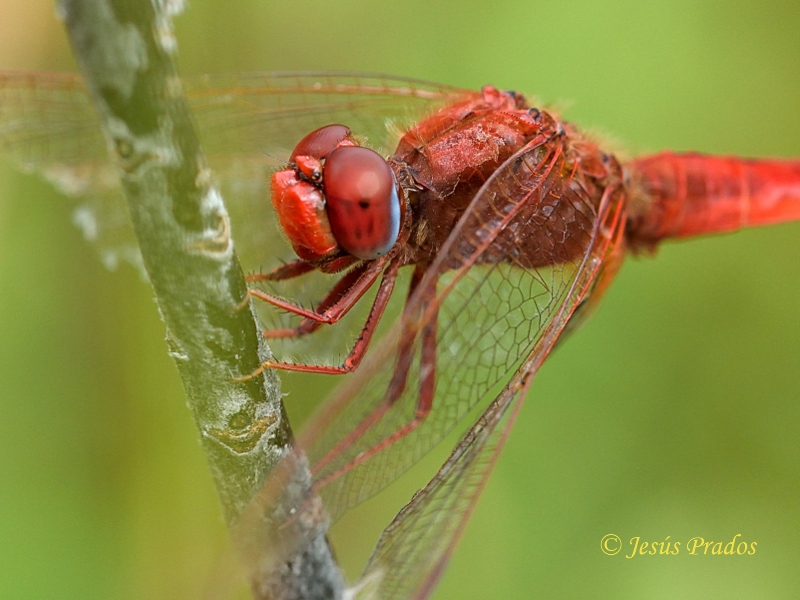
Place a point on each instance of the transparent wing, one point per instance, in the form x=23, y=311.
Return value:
x=253, y=113
x=498, y=290
x=48, y=125
x=414, y=549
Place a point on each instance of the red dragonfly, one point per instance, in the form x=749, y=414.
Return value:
x=504, y=224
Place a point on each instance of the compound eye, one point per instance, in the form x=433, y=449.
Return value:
x=361, y=200
x=320, y=142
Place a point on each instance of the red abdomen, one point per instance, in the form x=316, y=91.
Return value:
x=693, y=194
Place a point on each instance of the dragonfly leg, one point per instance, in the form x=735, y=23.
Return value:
x=356, y=354
x=288, y=271
x=337, y=295
x=395, y=391
x=338, y=309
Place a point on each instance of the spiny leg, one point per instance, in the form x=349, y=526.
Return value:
x=396, y=387
x=356, y=354
x=336, y=294
x=288, y=271
x=340, y=308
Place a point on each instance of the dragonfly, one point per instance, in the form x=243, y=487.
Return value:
x=455, y=236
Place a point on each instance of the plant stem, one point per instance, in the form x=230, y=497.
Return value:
x=125, y=49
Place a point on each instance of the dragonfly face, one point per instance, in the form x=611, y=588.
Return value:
x=338, y=199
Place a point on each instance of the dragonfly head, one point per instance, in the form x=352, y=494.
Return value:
x=337, y=197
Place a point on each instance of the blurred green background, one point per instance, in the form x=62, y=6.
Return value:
x=673, y=412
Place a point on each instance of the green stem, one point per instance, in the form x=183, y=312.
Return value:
x=125, y=49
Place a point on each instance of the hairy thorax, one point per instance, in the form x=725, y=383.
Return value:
x=451, y=155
